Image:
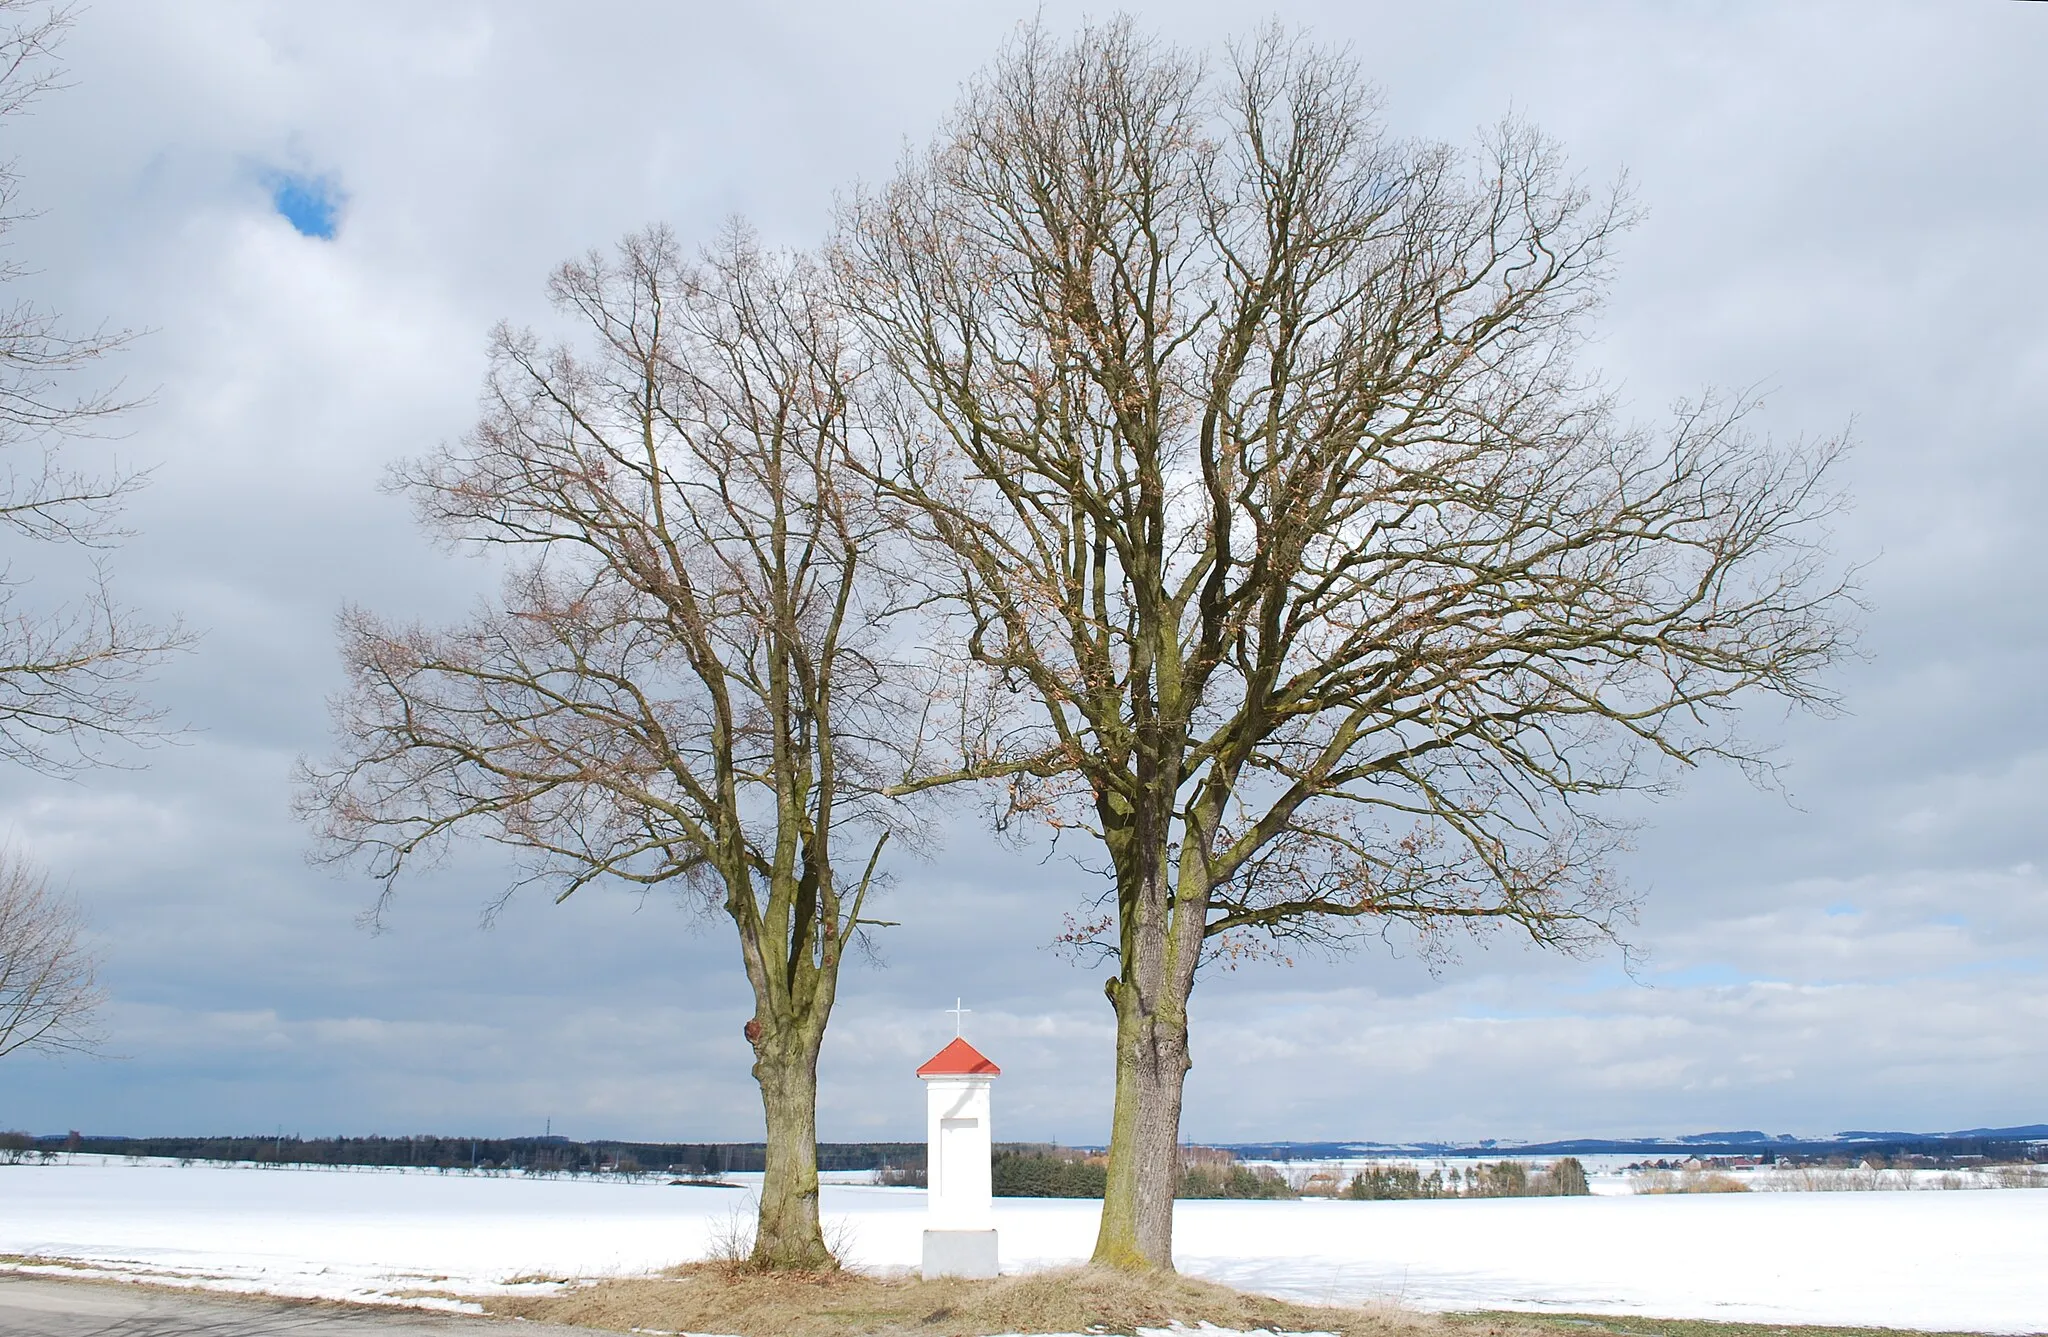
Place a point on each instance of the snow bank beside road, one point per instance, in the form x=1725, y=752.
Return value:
x=1925, y=1260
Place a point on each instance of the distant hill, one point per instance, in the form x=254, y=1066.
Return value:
x=1991, y=1142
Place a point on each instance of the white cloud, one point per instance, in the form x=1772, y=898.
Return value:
x=1840, y=211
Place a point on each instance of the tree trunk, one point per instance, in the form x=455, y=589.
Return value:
x=1144, y=1150
x=787, y=1236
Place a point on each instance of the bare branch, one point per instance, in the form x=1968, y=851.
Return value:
x=68, y=669
x=48, y=997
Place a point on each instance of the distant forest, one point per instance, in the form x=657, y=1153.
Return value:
x=537, y=1155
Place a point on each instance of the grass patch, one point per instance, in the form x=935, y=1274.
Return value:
x=1692, y=1181
x=710, y=1298
x=9, y=1261
x=1600, y=1325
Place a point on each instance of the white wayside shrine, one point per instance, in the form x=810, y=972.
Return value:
x=960, y=1227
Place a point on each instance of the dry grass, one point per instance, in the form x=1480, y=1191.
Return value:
x=711, y=1298
x=1692, y=1181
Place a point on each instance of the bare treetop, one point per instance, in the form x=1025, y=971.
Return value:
x=682, y=576
x=1243, y=418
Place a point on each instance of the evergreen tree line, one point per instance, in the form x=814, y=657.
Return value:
x=535, y=1155
x=1566, y=1178
x=1045, y=1173
x=1035, y=1173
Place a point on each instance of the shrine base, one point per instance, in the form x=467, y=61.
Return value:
x=959, y=1253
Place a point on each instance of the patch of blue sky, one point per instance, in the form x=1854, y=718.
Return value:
x=1707, y=975
x=311, y=204
x=1841, y=908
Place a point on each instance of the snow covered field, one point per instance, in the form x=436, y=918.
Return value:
x=1968, y=1260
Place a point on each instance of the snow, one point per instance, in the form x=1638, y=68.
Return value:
x=1952, y=1260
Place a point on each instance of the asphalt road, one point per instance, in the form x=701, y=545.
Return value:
x=35, y=1307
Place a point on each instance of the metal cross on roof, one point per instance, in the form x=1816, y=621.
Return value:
x=959, y=1013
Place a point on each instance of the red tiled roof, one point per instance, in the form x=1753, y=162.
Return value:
x=958, y=1059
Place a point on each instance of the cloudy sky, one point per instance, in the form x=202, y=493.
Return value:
x=1847, y=210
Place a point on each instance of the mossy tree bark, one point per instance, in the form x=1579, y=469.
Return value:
x=792, y=943
x=788, y=1234
x=1151, y=1071
x=1304, y=570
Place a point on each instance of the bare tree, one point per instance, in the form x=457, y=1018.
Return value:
x=687, y=682
x=1248, y=443
x=68, y=670
x=47, y=995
